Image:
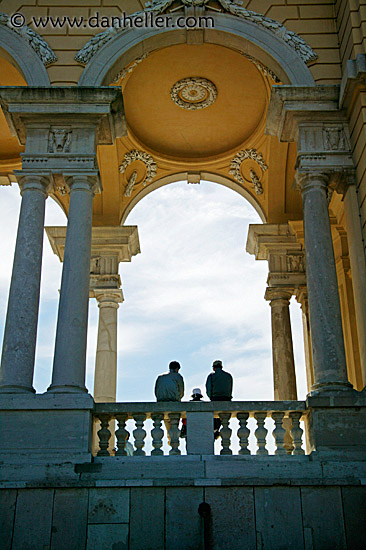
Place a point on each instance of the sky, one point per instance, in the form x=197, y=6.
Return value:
x=193, y=295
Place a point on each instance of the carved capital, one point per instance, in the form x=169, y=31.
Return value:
x=29, y=182
x=109, y=297
x=281, y=296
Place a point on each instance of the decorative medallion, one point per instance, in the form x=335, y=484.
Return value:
x=193, y=93
x=237, y=172
x=149, y=162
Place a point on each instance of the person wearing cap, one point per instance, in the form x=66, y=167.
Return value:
x=170, y=386
x=219, y=387
x=196, y=396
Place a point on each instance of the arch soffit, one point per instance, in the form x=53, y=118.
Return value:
x=229, y=31
x=182, y=176
x=26, y=59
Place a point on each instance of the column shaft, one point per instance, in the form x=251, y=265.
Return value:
x=71, y=335
x=330, y=371
x=17, y=363
x=358, y=267
x=284, y=377
x=105, y=377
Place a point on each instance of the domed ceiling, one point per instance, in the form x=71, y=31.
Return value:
x=163, y=92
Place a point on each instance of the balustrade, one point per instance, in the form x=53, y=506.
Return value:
x=247, y=428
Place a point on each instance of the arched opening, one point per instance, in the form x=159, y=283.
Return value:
x=194, y=295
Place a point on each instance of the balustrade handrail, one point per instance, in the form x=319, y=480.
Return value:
x=199, y=406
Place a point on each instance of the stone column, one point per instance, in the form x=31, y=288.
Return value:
x=71, y=334
x=358, y=267
x=284, y=378
x=302, y=298
x=105, y=376
x=17, y=363
x=330, y=371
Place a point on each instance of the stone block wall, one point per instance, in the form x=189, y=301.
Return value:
x=351, y=25
x=166, y=518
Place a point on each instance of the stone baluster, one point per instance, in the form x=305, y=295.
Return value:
x=284, y=377
x=261, y=433
x=330, y=371
x=139, y=434
x=157, y=434
x=225, y=433
x=17, y=363
x=296, y=433
x=279, y=433
x=104, y=435
x=71, y=334
x=122, y=434
x=243, y=433
x=174, y=433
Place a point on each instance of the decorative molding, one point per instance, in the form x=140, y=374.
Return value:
x=149, y=162
x=295, y=263
x=237, y=162
x=334, y=138
x=256, y=183
x=122, y=74
x=36, y=42
x=234, y=7
x=193, y=93
x=262, y=68
x=59, y=140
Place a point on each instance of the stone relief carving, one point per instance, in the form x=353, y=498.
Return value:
x=234, y=7
x=334, y=138
x=36, y=42
x=257, y=184
x=262, y=68
x=59, y=140
x=122, y=74
x=236, y=165
x=193, y=93
x=149, y=162
x=295, y=263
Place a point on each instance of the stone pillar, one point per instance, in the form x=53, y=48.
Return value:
x=302, y=298
x=330, y=371
x=17, y=363
x=105, y=376
x=358, y=267
x=71, y=334
x=284, y=377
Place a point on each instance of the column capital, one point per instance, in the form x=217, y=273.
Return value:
x=88, y=181
x=276, y=294
x=30, y=181
x=108, y=297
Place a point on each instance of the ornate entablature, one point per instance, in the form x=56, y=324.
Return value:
x=232, y=7
x=39, y=45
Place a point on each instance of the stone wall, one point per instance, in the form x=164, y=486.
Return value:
x=166, y=518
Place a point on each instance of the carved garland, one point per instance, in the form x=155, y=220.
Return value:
x=236, y=164
x=263, y=69
x=122, y=74
x=36, y=42
x=149, y=162
x=157, y=7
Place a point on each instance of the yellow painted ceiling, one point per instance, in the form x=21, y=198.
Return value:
x=9, y=145
x=158, y=123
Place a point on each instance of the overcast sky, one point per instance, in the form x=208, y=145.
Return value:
x=193, y=295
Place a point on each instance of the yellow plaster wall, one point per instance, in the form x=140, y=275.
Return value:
x=313, y=20
x=351, y=24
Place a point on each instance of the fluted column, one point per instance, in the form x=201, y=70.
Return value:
x=284, y=378
x=330, y=372
x=17, y=363
x=70, y=347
